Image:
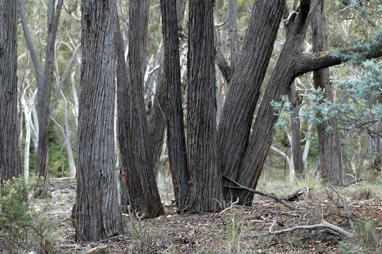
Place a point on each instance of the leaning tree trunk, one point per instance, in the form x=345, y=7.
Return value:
x=205, y=177
x=328, y=141
x=96, y=213
x=10, y=162
x=240, y=103
x=263, y=129
x=290, y=64
x=174, y=111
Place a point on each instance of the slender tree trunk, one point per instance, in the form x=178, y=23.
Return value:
x=131, y=190
x=296, y=132
x=240, y=103
x=96, y=213
x=10, y=162
x=329, y=142
x=157, y=124
x=174, y=111
x=44, y=84
x=205, y=176
x=136, y=153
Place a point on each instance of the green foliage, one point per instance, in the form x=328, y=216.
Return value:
x=21, y=227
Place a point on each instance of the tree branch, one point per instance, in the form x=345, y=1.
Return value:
x=269, y=195
x=31, y=47
x=312, y=62
x=322, y=225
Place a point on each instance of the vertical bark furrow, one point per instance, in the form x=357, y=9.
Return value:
x=205, y=184
x=241, y=100
x=139, y=150
x=174, y=111
x=10, y=162
x=97, y=214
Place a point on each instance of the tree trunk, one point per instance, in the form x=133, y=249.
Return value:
x=263, y=129
x=174, y=111
x=240, y=103
x=10, y=161
x=329, y=143
x=296, y=132
x=203, y=162
x=96, y=213
x=138, y=162
x=44, y=84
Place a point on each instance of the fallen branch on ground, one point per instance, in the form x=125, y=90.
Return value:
x=269, y=195
x=322, y=225
x=295, y=196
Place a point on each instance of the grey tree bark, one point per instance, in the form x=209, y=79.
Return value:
x=137, y=160
x=203, y=162
x=174, y=111
x=290, y=64
x=44, y=84
x=328, y=141
x=10, y=161
x=96, y=213
x=240, y=103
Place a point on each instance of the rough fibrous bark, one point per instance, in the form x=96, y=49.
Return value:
x=263, y=129
x=205, y=177
x=139, y=151
x=96, y=213
x=240, y=103
x=174, y=111
x=131, y=190
x=10, y=162
x=329, y=142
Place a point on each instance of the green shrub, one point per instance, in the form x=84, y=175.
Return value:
x=21, y=227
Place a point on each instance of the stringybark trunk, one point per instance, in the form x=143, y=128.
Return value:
x=131, y=189
x=205, y=177
x=174, y=111
x=263, y=129
x=329, y=142
x=96, y=213
x=240, y=103
x=139, y=151
x=10, y=161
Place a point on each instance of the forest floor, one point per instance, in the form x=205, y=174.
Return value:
x=236, y=229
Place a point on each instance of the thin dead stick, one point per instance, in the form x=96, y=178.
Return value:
x=269, y=195
x=230, y=207
x=322, y=225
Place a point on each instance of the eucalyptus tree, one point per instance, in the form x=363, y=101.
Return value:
x=243, y=150
x=204, y=167
x=328, y=136
x=44, y=79
x=96, y=213
x=137, y=160
x=10, y=162
x=174, y=111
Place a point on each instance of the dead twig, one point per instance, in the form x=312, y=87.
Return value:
x=230, y=207
x=269, y=195
x=323, y=225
